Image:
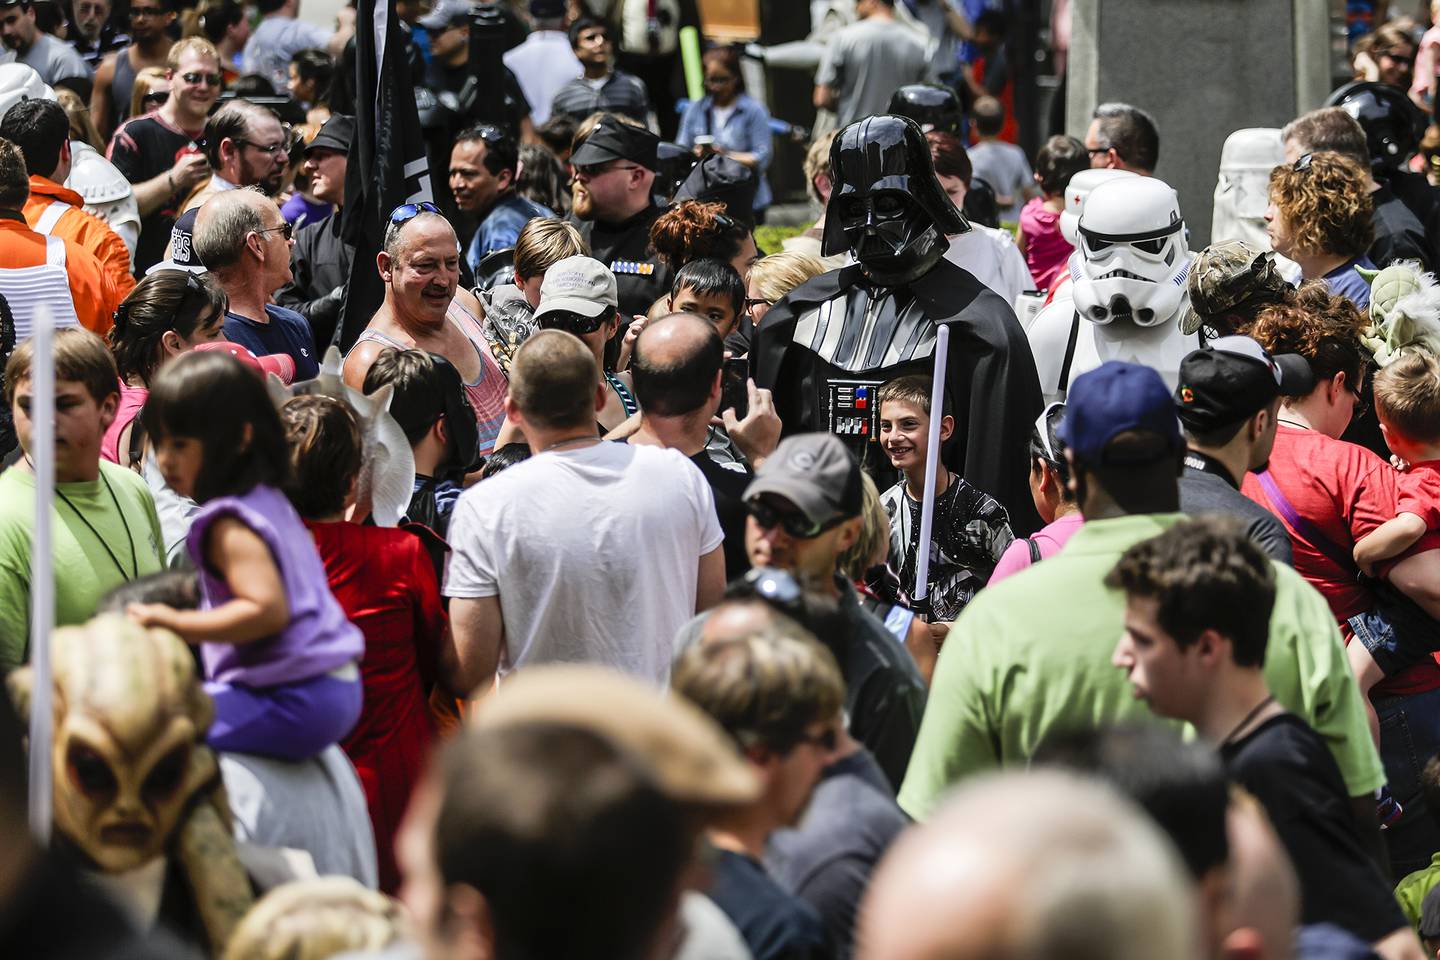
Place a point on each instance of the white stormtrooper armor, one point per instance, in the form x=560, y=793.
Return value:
x=1126, y=289
x=1242, y=191
x=106, y=192
x=1077, y=191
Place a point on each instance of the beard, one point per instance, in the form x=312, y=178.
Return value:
x=582, y=204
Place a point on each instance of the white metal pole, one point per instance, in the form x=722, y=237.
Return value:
x=932, y=460
x=42, y=571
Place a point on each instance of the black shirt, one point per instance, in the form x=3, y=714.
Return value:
x=728, y=483
x=774, y=924
x=641, y=278
x=443, y=78
x=1207, y=487
x=1292, y=773
x=1399, y=234
x=143, y=148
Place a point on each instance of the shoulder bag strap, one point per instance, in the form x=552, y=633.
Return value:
x=1064, y=385
x=1034, y=550
x=1303, y=526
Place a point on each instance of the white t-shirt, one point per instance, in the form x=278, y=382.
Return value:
x=992, y=256
x=594, y=553
x=543, y=64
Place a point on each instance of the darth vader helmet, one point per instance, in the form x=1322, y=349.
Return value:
x=1393, y=125
x=1133, y=261
x=887, y=206
x=931, y=106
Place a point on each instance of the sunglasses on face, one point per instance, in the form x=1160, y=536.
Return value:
x=157, y=99
x=793, y=522
x=409, y=211
x=575, y=323
x=287, y=229
x=196, y=78
x=592, y=170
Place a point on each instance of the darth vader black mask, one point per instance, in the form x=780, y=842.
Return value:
x=887, y=207
x=932, y=106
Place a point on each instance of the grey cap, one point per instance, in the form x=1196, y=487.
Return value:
x=580, y=285
x=814, y=471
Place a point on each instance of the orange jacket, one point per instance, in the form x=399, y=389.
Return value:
x=87, y=230
x=90, y=287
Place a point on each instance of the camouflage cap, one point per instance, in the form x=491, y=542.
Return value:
x=1225, y=275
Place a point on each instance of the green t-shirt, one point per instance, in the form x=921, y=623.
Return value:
x=84, y=570
x=1031, y=656
x=1411, y=890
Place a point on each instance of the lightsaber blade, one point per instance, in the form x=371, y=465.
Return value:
x=932, y=460
x=42, y=572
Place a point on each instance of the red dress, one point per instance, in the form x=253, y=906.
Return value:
x=386, y=584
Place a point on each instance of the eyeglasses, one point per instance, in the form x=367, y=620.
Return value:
x=1360, y=405
x=137, y=13
x=409, y=211
x=571, y=322
x=752, y=302
x=269, y=149
x=287, y=229
x=157, y=99
x=195, y=78
x=793, y=522
x=1303, y=163
x=592, y=170
x=1094, y=150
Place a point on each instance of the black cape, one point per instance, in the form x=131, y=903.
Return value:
x=991, y=381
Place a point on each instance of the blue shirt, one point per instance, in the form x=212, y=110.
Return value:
x=1346, y=282
x=747, y=130
x=501, y=227
x=287, y=332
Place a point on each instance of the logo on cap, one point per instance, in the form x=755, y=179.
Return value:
x=1187, y=395
x=802, y=460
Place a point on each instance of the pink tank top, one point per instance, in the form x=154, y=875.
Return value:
x=132, y=400
x=487, y=393
x=1046, y=249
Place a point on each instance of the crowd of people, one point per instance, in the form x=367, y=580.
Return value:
x=618, y=588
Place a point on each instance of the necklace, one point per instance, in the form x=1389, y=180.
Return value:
x=1295, y=423
x=568, y=442
x=1269, y=699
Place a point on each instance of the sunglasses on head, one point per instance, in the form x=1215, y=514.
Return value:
x=409, y=211
x=793, y=522
x=1303, y=163
x=576, y=323
x=196, y=77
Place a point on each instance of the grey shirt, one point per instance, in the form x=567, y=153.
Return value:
x=1206, y=487
x=866, y=62
x=58, y=63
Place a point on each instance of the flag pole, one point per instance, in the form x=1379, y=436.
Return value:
x=932, y=460
x=42, y=572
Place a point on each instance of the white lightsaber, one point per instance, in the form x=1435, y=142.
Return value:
x=42, y=571
x=932, y=460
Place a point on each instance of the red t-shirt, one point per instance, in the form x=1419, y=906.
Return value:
x=1344, y=491
x=1419, y=492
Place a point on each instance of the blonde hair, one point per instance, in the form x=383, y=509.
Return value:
x=544, y=242
x=315, y=919
x=1407, y=395
x=144, y=83
x=199, y=45
x=817, y=161
x=779, y=273
x=1326, y=204
x=82, y=127
x=874, y=532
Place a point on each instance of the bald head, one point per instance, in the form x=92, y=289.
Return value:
x=1030, y=866
x=554, y=381
x=1265, y=896
x=224, y=222
x=676, y=366
x=422, y=230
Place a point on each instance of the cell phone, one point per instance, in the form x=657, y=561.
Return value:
x=734, y=386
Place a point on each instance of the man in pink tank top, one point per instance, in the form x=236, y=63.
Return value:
x=426, y=309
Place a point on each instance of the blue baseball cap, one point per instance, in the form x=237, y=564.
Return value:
x=1117, y=398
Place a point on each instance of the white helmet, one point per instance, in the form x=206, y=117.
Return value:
x=19, y=82
x=1132, y=241
x=1077, y=190
x=1242, y=190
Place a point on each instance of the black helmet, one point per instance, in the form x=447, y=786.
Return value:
x=1393, y=125
x=887, y=206
x=932, y=106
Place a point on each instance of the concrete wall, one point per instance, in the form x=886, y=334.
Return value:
x=1202, y=68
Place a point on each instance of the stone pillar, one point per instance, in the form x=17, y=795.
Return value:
x=1202, y=69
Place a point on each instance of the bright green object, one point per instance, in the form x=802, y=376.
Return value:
x=1404, y=311
x=690, y=56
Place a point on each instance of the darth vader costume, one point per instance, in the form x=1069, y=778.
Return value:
x=825, y=349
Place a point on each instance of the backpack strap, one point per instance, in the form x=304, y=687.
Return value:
x=1034, y=550
x=1302, y=526
x=1063, y=386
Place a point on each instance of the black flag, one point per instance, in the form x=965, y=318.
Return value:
x=387, y=166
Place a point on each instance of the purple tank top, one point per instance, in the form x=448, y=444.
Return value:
x=318, y=637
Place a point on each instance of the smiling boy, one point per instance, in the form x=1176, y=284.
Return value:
x=970, y=530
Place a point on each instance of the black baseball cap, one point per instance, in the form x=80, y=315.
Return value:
x=613, y=140
x=723, y=180
x=1234, y=378
x=337, y=134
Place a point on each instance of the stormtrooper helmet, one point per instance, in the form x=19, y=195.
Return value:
x=1076, y=192
x=1133, y=258
x=19, y=82
x=887, y=206
x=1242, y=190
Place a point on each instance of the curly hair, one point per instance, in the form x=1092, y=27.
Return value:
x=692, y=230
x=1322, y=327
x=1325, y=203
